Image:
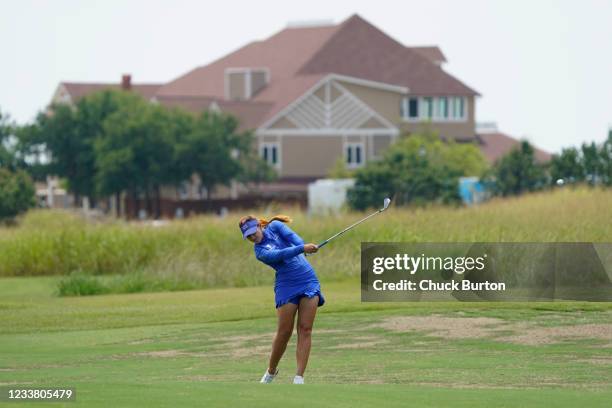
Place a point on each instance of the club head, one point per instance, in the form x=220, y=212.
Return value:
x=386, y=203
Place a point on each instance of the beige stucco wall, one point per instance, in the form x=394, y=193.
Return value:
x=314, y=156
x=387, y=104
x=282, y=123
x=380, y=143
x=304, y=156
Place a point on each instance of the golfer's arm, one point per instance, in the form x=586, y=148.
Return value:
x=276, y=255
x=287, y=233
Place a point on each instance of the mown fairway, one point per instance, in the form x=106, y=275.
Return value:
x=209, y=347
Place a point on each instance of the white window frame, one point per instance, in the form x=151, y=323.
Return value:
x=351, y=145
x=436, y=112
x=270, y=145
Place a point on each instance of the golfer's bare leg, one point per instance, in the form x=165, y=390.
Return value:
x=286, y=317
x=306, y=315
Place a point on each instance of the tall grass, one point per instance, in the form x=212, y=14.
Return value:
x=208, y=251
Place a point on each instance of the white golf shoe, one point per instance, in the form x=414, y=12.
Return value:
x=268, y=378
x=298, y=379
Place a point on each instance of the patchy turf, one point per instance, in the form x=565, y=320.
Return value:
x=204, y=347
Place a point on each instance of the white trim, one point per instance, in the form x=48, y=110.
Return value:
x=293, y=104
x=378, y=116
x=327, y=104
x=435, y=114
x=327, y=132
x=277, y=145
x=347, y=145
x=214, y=107
x=247, y=84
x=327, y=79
x=61, y=88
x=370, y=84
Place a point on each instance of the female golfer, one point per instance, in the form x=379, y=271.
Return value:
x=296, y=289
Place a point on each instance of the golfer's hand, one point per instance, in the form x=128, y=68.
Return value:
x=310, y=248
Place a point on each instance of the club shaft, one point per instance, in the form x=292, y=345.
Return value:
x=347, y=228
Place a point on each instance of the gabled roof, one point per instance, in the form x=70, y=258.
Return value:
x=361, y=50
x=283, y=54
x=77, y=90
x=433, y=53
x=297, y=58
x=495, y=145
x=250, y=113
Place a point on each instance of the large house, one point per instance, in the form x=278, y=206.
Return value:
x=316, y=93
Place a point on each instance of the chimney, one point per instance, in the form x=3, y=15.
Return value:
x=126, y=82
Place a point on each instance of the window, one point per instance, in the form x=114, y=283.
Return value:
x=458, y=110
x=443, y=107
x=427, y=108
x=413, y=108
x=436, y=109
x=410, y=108
x=354, y=154
x=270, y=153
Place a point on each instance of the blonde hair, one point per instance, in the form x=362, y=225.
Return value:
x=263, y=222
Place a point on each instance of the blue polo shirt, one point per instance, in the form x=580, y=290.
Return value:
x=283, y=250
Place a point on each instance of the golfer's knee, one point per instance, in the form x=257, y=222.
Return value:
x=304, y=330
x=284, y=333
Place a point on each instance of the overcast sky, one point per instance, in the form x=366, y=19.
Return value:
x=544, y=68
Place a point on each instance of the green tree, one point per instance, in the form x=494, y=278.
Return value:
x=567, y=166
x=605, y=154
x=218, y=152
x=418, y=168
x=68, y=134
x=591, y=162
x=11, y=156
x=516, y=172
x=17, y=193
x=137, y=151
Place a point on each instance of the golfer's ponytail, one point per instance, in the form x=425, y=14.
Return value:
x=283, y=218
x=263, y=222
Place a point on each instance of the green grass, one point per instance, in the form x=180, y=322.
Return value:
x=209, y=347
x=208, y=252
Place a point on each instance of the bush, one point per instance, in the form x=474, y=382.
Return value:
x=17, y=193
x=80, y=284
x=418, y=169
x=516, y=172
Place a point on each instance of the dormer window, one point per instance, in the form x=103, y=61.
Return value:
x=242, y=84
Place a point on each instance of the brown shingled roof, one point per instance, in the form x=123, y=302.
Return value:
x=297, y=58
x=361, y=50
x=496, y=145
x=433, y=53
x=283, y=54
x=250, y=113
x=77, y=90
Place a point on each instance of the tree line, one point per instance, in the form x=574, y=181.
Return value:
x=114, y=141
x=420, y=168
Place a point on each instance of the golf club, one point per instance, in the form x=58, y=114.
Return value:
x=386, y=203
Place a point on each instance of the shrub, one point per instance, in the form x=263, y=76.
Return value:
x=17, y=193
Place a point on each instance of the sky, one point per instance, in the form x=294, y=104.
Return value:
x=543, y=68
